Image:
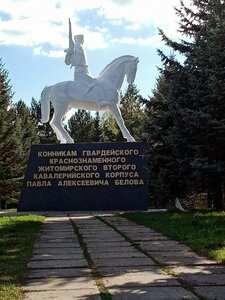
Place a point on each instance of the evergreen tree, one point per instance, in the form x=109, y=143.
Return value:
x=81, y=126
x=110, y=129
x=29, y=130
x=195, y=103
x=133, y=111
x=45, y=132
x=97, y=130
x=11, y=150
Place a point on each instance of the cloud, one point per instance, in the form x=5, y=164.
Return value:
x=33, y=23
x=154, y=41
x=122, y=2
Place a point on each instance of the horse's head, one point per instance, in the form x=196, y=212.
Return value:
x=131, y=69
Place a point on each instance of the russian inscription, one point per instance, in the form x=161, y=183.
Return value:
x=65, y=175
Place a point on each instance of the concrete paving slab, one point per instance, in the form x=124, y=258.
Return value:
x=102, y=243
x=106, y=239
x=140, y=279
x=60, y=273
x=58, y=234
x=47, y=230
x=204, y=279
x=59, y=284
x=52, y=250
x=62, y=263
x=58, y=240
x=114, y=271
x=211, y=292
x=181, y=254
x=123, y=262
x=120, y=254
x=151, y=293
x=71, y=256
x=112, y=249
x=84, y=294
x=102, y=231
x=159, y=243
x=146, y=237
x=203, y=269
x=55, y=245
x=178, y=260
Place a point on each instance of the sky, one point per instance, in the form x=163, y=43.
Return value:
x=34, y=34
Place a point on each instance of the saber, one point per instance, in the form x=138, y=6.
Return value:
x=71, y=43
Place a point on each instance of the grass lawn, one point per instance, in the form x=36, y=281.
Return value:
x=203, y=231
x=17, y=236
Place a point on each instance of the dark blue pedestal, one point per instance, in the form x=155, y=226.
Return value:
x=85, y=177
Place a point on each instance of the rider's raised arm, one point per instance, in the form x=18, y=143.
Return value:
x=69, y=59
x=70, y=56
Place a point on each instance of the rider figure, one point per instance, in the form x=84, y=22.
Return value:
x=76, y=56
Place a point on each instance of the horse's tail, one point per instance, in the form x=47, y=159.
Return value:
x=45, y=104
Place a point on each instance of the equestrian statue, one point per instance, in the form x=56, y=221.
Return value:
x=86, y=92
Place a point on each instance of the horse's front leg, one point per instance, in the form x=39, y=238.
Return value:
x=119, y=119
x=57, y=125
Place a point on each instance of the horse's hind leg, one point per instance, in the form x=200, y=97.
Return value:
x=57, y=132
x=119, y=119
x=57, y=125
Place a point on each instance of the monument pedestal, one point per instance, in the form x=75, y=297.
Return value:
x=85, y=177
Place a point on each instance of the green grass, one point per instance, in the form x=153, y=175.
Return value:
x=203, y=231
x=17, y=236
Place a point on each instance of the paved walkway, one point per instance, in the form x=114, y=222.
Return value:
x=108, y=257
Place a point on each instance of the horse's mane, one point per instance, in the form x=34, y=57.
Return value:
x=115, y=62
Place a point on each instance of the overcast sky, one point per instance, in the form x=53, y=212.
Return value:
x=34, y=34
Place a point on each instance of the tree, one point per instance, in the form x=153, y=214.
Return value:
x=110, y=129
x=45, y=132
x=132, y=110
x=97, y=130
x=81, y=126
x=11, y=149
x=195, y=101
x=29, y=130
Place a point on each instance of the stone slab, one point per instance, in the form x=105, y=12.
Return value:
x=71, y=256
x=56, y=245
x=56, y=230
x=101, y=233
x=106, y=239
x=178, y=260
x=114, y=255
x=58, y=234
x=115, y=271
x=123, y=262
x=202, y=269
x=151, y=293
x=204, y=279
x=211, y=292
x=59, y=284
x=90, y=294
x=55, y=250
x=167, y=244
x=62, y=263
x=140, y=279
x=109, y=244
x=58, y=240
x=61, y=273
x=97, y=249
x=163, y=246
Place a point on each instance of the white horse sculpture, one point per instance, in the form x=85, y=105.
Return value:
x=97, y=94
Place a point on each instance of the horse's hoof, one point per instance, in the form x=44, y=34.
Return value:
x=131, y=140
